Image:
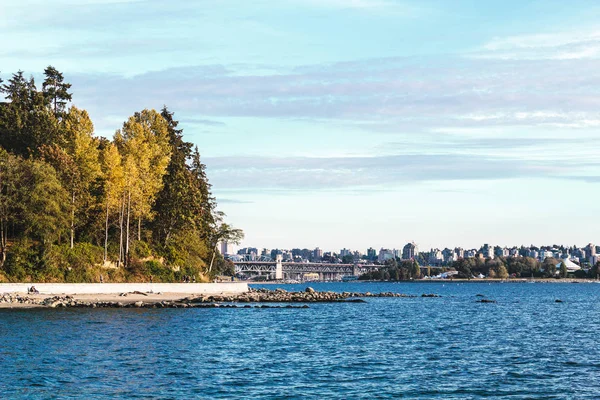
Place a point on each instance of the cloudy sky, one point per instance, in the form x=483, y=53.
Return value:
x=352, y=123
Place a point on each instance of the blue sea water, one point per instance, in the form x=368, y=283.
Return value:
x=525, y=346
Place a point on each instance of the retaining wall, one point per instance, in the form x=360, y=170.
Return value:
x=109, y=288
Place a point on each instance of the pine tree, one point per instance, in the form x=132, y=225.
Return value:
x=56, y=91
x=179, y=200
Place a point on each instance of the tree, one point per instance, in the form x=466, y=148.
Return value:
x=10, y=177
x=224, y=232
x=77, y=164
x=113, y=174
x=144, y=146
x=44, y=202
x=416, y=270
x=56, y=91
x=207, y=217
x=563, y=270
x=179, y=202
x=26, y=124
x=502, y=272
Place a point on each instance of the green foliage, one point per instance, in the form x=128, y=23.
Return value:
x=73, y=205
x=21, y=261
x=502, y=273
x=563, y=270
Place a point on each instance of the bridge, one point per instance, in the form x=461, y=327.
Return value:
x=296, y=270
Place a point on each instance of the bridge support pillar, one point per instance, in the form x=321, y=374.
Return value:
x=279, y=267
x=355, y=270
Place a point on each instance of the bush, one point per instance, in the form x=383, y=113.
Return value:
x=79, y=264
x=140, y=249
x=22, y=260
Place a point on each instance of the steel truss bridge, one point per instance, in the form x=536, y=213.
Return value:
x=293, y=270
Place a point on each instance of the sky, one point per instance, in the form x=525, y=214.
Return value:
x=351, y=123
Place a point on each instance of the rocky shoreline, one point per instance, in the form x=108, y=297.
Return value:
x=153, y=300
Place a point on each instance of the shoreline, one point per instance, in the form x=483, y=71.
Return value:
x=492, y=280
x=177, y=300
x=118, y=288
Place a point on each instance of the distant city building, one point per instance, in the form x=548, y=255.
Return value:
x=410, y=251
x=460, y=252
x=534, y=254
x=449, y=255
x=226, y=248
x=317, y=254
x=384, y=255
x=487, y=251
x=546, y=254
x=371, y=253
x=345, y=252
x=436, y=257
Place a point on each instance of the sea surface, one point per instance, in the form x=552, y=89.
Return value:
x=525, y=346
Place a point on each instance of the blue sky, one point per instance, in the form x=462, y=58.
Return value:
x=351, y=123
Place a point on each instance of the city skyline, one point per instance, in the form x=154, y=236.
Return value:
x=351, y=122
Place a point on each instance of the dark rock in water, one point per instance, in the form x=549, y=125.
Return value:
x=430, y=295
x=309, y=290
x=558, y=301
x=486, y=301
x=355, y=301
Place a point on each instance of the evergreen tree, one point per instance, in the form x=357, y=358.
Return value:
x=56, y=91
x=180, y=200
x=26, y=124
x=563, y=270
x=207, y=217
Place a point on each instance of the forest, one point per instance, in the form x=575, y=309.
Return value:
x=77, y=207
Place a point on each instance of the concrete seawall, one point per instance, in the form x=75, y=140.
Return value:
x=116, y=288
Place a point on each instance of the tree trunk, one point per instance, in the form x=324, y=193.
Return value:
x=72, y=219
x=139, y=228
x=121, y=217
x=127, y=227
x=106, y=233
x=3, y=240
x=213, y=257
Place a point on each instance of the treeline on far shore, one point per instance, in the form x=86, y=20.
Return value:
x=75, y=207
x=466, y=268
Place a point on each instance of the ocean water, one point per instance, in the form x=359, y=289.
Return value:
x=526, y=346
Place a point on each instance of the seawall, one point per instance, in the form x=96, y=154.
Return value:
x=117, y=288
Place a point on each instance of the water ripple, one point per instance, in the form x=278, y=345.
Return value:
x=522, y=347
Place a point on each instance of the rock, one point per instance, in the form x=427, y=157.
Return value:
x=486, y=301
x=355, y=301
x=558, y=301
x=310, y=290
x=138, y=304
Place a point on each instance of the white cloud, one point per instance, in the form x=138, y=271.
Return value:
x=553, y=46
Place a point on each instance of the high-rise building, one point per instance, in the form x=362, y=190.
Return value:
x=410, y=251
x=371, y=253
x=590, y=251
x=226, y=248
x=317, y=254
x=385, y=254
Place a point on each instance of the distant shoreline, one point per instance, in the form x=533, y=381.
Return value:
x=514, y=280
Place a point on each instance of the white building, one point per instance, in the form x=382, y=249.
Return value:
x=385, y=254
x=226, y=248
